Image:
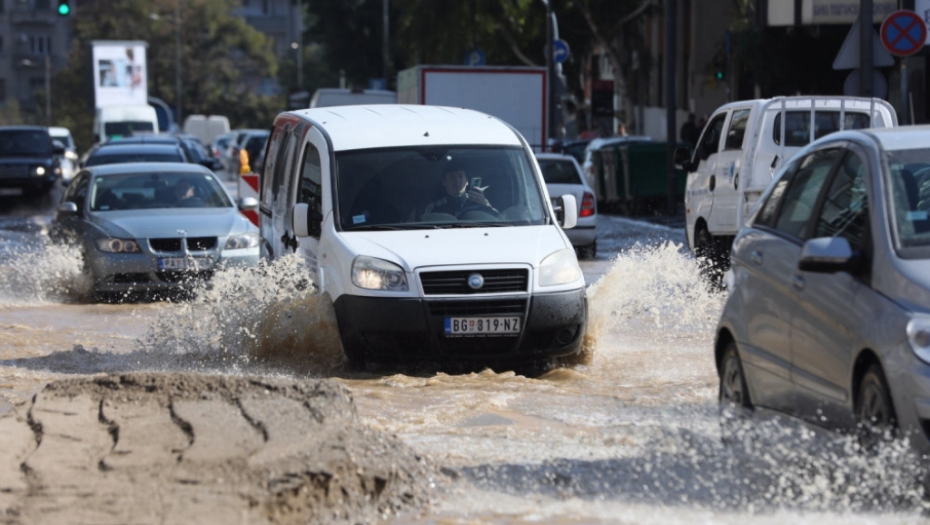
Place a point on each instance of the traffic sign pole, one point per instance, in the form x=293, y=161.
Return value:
x=904, y=33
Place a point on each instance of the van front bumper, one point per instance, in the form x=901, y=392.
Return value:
x=553, y=325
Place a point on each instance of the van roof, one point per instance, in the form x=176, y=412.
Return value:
x=393, y=125
x=804, y=102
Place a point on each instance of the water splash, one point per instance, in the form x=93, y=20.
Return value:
x=655, y=291
x=271, y=313
x=41, y=273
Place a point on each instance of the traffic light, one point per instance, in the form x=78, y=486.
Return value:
x=64, y=7
x=719, y=74
x=720, y=69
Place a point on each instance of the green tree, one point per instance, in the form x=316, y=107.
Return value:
x=223, y=60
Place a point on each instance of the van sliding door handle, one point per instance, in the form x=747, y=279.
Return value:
x=756, y=257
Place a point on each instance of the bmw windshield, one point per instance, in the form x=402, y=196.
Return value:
x=437, y=187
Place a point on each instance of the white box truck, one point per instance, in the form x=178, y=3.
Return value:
x=327, y=97
x=742, y=146
x=516, y=95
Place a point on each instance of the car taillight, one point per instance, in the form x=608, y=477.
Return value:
x=587, y=205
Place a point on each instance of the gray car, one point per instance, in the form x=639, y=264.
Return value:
x=828, y=314
x=154, y=226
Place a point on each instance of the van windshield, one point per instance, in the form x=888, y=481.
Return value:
x=437, y=187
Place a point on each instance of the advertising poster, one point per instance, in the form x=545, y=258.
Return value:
x=119, y=73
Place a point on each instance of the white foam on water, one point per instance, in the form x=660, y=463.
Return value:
x=43, y=273
x=268, y=314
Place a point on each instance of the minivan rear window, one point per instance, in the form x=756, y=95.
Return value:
x=798, y=125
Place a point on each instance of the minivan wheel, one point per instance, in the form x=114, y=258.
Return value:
x=735, y=405
x=707, y=249
x=874, y=410
x=588, y=252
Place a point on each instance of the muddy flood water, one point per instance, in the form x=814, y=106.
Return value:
x=629, y=436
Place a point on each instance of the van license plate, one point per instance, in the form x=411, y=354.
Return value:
x=482, y=325
x=184, y=263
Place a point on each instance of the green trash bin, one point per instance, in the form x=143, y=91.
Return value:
x=641, y=178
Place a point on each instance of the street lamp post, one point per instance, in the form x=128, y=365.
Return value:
x=550, y=80
x=177, y=59
x=48, y=85
x=300, y=64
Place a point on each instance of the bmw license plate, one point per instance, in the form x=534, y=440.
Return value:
x=184, y=263
x=482, y=325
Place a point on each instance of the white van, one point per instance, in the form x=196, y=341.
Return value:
x=206, y=127
x=741, y=148
x=367, y=196
x=325, y=97
x=124, y=121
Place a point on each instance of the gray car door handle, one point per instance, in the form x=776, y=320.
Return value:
x=756, y=257
x=797, y=281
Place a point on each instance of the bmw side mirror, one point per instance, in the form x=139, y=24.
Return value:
x=828, y=255
x=248, y=203
x=68, y=208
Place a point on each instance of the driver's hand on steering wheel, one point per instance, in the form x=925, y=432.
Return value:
x=476, y=195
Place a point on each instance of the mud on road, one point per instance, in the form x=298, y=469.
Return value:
x=185, y=448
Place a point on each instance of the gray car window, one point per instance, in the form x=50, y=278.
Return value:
x=909, y=182
x=846, y=206
x=802, y=193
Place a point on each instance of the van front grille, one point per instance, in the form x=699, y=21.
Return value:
x=456, y=282
x=448, y=308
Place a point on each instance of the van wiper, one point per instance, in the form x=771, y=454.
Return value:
x=478, y=225
x=376, y=227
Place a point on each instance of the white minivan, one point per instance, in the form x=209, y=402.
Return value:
x=741, y=148
x=430, y=230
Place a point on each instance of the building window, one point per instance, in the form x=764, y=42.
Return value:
x=2, y=86
x=1, y=36
x=42, y=5
x=2, y=6
x=40, y=44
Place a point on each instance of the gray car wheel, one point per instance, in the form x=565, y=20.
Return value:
x=874, y=409
x=735, y=405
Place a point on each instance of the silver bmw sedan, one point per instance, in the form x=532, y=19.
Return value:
x=153, y=226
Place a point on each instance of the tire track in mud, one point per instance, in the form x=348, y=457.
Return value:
x=173, y=448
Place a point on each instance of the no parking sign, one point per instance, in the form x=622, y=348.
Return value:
x=903, y=33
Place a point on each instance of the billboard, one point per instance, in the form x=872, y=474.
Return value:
x=120, y=76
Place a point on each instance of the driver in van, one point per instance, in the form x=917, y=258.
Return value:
x=459, y=197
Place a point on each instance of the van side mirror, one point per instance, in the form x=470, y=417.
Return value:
x=682, y=158
x=828, y=255
x=304, y=222
x=566, y=211
x=58, y=147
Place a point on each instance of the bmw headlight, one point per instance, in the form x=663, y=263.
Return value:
x=241, y=241
x=113, y=245
x=378, y=274
x=558, y=268
x=39, y=171
x=918, y=336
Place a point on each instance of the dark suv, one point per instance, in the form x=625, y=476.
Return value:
x=29, y=159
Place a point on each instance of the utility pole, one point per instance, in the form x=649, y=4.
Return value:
x=177, y=61
x=385, y=51
x=865, y=48
x=48, y=90
x=300, y=45
x=550, y=79
x=670, y=121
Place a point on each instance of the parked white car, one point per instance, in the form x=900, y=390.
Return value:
x=742, y=146
x=429, y=229
x=563, y=176
x=69, y=160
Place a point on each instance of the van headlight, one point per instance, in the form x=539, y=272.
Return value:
x=918, y=336
x=241, y=241
x=113, y=245
x=377, y=274
x=558, y=268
